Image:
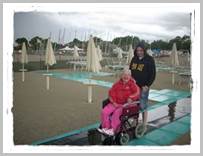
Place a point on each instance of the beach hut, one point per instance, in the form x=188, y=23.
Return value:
x=66, y=49
x=49, y=59
x=130, y=54
x=24, y=59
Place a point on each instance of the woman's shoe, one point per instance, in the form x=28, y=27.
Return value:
x=102, y=130
x=109, y=132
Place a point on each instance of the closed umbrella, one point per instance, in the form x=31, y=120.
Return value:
x=93, y=64
x=99, y=52
x=24, y=59
x=150, y=52
x=120, y=55
x=75, y=55
x=174, y=61
x=49, y=58
x=75, y=52
x=130, y=54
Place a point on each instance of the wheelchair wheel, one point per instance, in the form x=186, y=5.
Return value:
x=139, y=130
x=124, y=138
x=108, y=141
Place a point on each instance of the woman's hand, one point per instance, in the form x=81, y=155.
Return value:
x=116, y=105
x=129, y=100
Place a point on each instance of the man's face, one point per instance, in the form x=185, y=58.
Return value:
x=140, y=52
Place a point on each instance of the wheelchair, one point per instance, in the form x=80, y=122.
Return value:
x=130, y=126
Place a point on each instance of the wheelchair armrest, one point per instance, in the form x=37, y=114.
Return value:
x=105, y=102
x=133, y=103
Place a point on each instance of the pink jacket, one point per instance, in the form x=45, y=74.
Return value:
x=120, y=92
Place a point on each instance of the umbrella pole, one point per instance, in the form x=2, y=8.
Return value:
x=47, y=77
x=23, y=74
x=89, y=94
x=173, y=78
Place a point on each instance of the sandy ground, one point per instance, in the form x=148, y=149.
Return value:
x=40, y=114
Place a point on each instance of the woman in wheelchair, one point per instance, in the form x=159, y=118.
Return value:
x=123, y=91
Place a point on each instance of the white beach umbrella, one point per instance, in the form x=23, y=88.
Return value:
x=75, y=52
x=174, y=61
x=174, y=56
x=130, y=54
x=24, y=59
x=99, y=52
x=188, y=57
x=39, y=41
x=150, y=52
x=93, y=64
x=120, y=56
x=49, y=58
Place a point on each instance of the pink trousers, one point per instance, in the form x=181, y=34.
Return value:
x=110, y=117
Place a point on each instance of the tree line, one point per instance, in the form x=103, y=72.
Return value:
x=38, y=43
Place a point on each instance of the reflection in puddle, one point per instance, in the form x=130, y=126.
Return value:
x=165, y=114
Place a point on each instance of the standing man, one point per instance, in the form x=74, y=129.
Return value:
x=143, y=70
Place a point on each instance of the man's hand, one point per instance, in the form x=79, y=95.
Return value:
x=145, y=88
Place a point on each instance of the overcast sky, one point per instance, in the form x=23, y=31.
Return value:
x=148, y=23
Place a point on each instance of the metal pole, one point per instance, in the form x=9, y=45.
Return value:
x=47, y=77
x=23, y=74
x=89, y=93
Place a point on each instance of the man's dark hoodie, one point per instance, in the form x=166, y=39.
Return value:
x=143, y=70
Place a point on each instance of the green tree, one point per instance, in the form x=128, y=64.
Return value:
x=21, y=40
x=36, y=42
